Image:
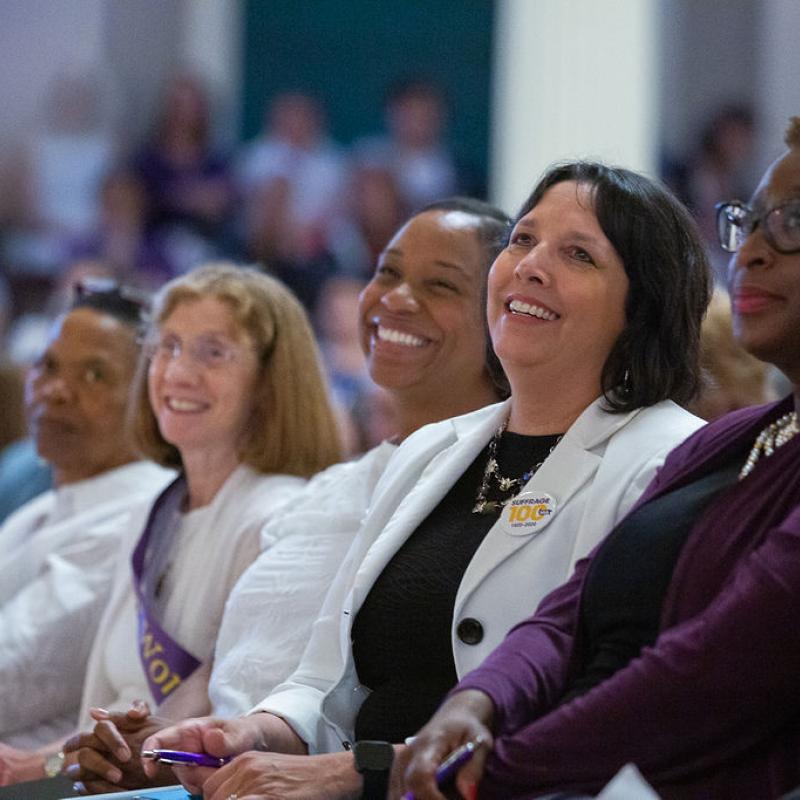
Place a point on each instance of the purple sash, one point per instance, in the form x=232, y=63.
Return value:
x=166, y=664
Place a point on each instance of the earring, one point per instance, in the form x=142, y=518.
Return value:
x=627, y=386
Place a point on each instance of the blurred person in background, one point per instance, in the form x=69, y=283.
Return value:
x=188, y=183
x=413, y=148
x=12, y=409
x=58, y=550
x=337, y=324
x=361, y=227
x=23, y=475
x=732, y=377
x=294, y=148
x=55, y=180
x=719, y=168
x=121, y=237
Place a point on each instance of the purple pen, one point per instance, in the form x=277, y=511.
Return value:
x=182, y=757
x=448, y=768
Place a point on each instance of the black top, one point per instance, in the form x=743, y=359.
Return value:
x=627, y=581
x=402, y=633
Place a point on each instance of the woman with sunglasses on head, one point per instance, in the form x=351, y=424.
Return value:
x=594, y=310
x=675, y=646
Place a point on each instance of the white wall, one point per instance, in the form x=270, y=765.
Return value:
x=40, y=39
x=778, y=74
x=132, y=44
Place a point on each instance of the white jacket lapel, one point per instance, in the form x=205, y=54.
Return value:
x=571, y=464
x=447, y=452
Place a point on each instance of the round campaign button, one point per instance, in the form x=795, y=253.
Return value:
x=528, y=513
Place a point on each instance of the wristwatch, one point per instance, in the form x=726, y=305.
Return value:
x=373, y=761
x=53, y=764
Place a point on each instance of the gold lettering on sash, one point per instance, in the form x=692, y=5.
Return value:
x=149, y=647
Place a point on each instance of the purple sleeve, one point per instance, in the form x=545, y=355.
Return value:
x=707, y=690
x=527, y=674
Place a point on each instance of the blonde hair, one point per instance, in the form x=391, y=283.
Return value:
x=792, y=135
x=732, y=378
x=293, y=429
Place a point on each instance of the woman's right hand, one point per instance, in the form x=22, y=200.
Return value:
x=212, y=735
x=464, y=717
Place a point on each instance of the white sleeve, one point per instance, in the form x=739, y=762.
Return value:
x=315, y=529
x=46, y=628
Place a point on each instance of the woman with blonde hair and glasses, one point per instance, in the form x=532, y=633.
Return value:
x=230, y=392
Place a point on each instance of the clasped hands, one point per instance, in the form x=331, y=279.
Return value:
x=107, y=758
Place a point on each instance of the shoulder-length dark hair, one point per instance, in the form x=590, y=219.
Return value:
x=656, y=357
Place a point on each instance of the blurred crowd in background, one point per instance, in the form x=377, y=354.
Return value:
x=80, y=201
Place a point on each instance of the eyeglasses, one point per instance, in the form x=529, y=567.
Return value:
x=780, y=226
x=206, y=351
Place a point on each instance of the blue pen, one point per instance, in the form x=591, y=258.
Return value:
x=448, y=768
x=184, y=758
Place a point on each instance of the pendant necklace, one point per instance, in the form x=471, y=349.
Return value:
x=504, y=485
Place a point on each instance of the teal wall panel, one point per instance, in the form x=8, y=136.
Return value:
x=348, y=51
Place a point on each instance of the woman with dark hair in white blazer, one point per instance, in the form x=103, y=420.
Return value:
x=594, y=310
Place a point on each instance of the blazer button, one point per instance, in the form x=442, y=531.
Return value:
x=470, y=631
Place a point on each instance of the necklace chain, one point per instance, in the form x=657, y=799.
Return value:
x=770, y=439
x=509, y=486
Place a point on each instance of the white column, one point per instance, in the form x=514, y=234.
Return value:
x=211, y=48
x=573, y=79
x=778, y=97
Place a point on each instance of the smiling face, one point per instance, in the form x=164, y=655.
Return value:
x=764, y=284
x=557, y=293
x=77, y=392
x=201, y=380
x=420, y=316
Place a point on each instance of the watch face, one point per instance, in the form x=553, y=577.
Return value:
x=373, y=756
x=53, y=764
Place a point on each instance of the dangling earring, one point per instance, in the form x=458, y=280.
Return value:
x=627, y=386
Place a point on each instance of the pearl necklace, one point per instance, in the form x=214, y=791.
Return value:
x=492, y=472
x=770, y=439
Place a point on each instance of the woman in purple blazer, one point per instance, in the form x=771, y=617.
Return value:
x=675, y=644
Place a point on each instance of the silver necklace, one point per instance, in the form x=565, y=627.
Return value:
x=770, y=439
x=509, y=486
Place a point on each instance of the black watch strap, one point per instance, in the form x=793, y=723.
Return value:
x=373, y=760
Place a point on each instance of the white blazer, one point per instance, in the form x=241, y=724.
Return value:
x=591, y=479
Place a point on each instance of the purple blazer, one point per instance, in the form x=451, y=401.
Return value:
x=712, y=710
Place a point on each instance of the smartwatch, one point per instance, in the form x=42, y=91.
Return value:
x=373, y=760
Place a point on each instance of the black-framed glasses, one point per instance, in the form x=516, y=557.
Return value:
x=780, y=225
